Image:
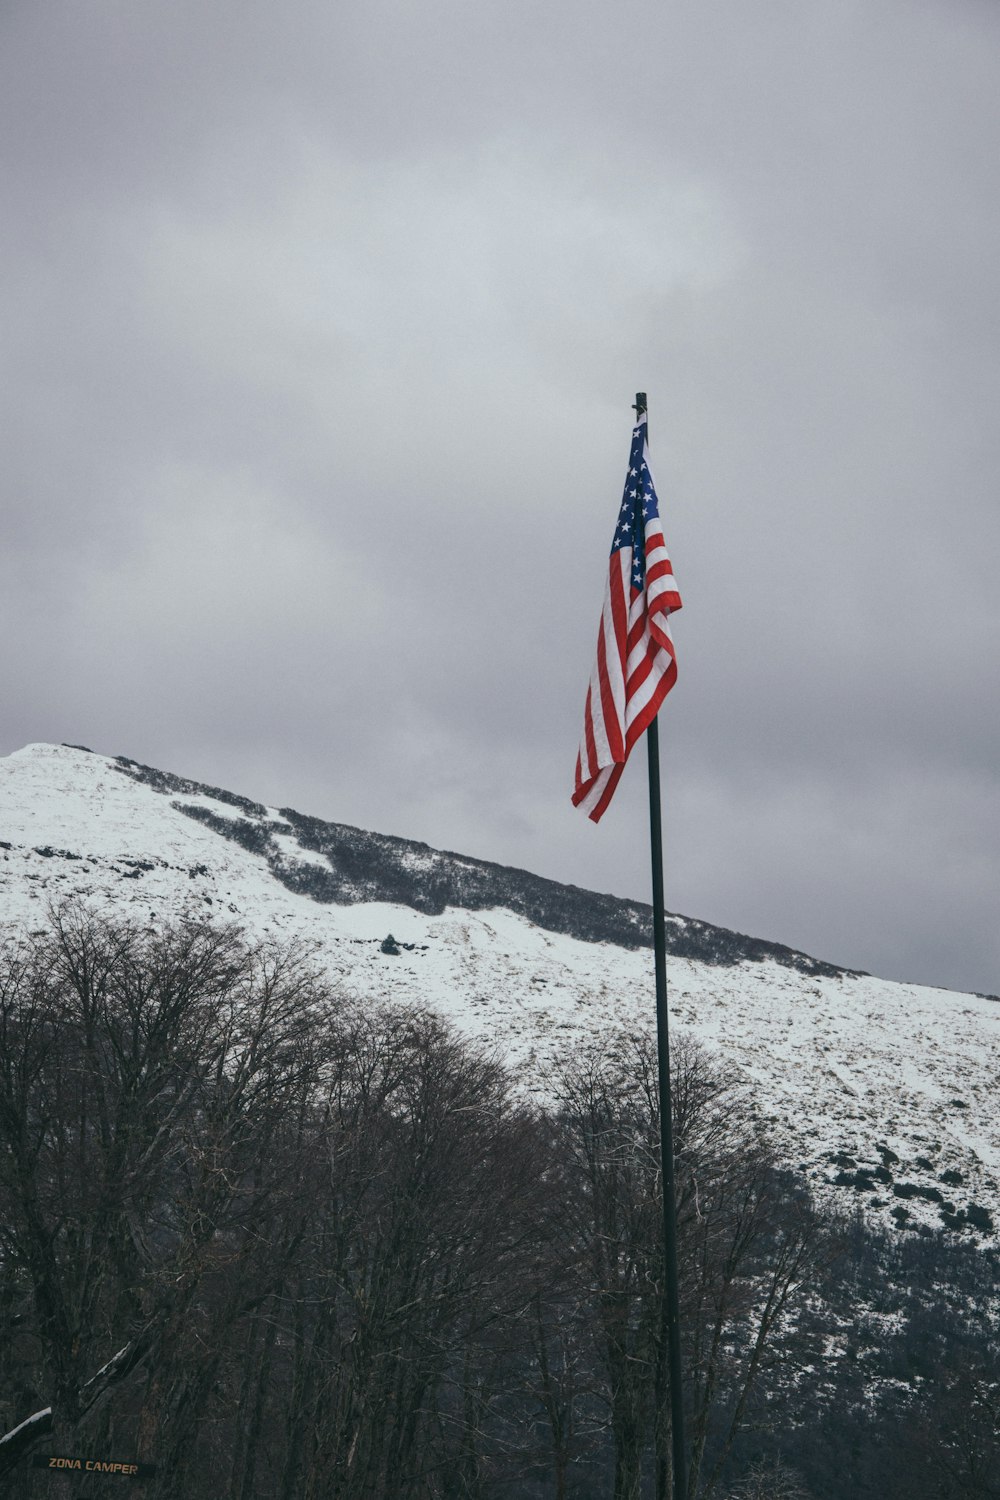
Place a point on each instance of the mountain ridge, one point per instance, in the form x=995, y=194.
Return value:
x=879, y=1095
x=548, y=903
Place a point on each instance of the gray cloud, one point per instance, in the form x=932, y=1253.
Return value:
x=321, y=328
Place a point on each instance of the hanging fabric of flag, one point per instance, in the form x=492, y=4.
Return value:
x=635, y=667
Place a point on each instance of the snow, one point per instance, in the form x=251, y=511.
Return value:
x=420, y=859
x=38, y=1416
x=293, y=853
x=837, y=1063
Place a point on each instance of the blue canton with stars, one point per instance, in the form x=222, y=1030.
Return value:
x=639, y=503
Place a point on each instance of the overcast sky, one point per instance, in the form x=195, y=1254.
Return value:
x=321, y=323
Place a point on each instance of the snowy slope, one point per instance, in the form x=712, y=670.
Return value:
x=883, y=1086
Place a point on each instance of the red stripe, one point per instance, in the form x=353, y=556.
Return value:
x=635, y=636
x=662, y=603
x=588, y=727
x=619, y=607
x=601, y=806
x=639, y=675
x=643, y=720
x=660, y=570
x=612, y=728
x=582, y=791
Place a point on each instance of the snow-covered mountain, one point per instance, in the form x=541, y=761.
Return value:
x=879, y=1094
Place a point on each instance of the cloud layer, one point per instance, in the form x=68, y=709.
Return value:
x=321, y=326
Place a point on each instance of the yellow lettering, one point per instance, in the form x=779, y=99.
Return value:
x=94, y=1465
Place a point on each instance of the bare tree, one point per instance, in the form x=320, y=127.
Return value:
x=768, y=1481
x=421, y=1241
x=286, y=1246
x=743, y=1249
x=146, y=1081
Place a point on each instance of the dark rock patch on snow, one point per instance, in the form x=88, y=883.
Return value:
x=357, y=866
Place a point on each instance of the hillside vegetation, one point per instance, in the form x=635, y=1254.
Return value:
x=281, y=1245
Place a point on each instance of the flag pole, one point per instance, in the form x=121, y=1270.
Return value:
x=671, y=1318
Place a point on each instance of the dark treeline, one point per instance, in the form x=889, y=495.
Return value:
x=281, y=1246
x=357, y=865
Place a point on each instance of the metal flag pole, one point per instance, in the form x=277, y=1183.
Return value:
x=672, y=1317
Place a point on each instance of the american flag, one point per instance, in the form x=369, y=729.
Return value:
x=635, y=667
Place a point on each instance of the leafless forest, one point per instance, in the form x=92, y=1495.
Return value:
x=286, y=1247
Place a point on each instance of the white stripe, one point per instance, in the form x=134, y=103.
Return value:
x=616, y=681
x=601, y=747
x=659, y=587
x=638, y=652
x=613, y=655
x=592, y=798
x=642, y=695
